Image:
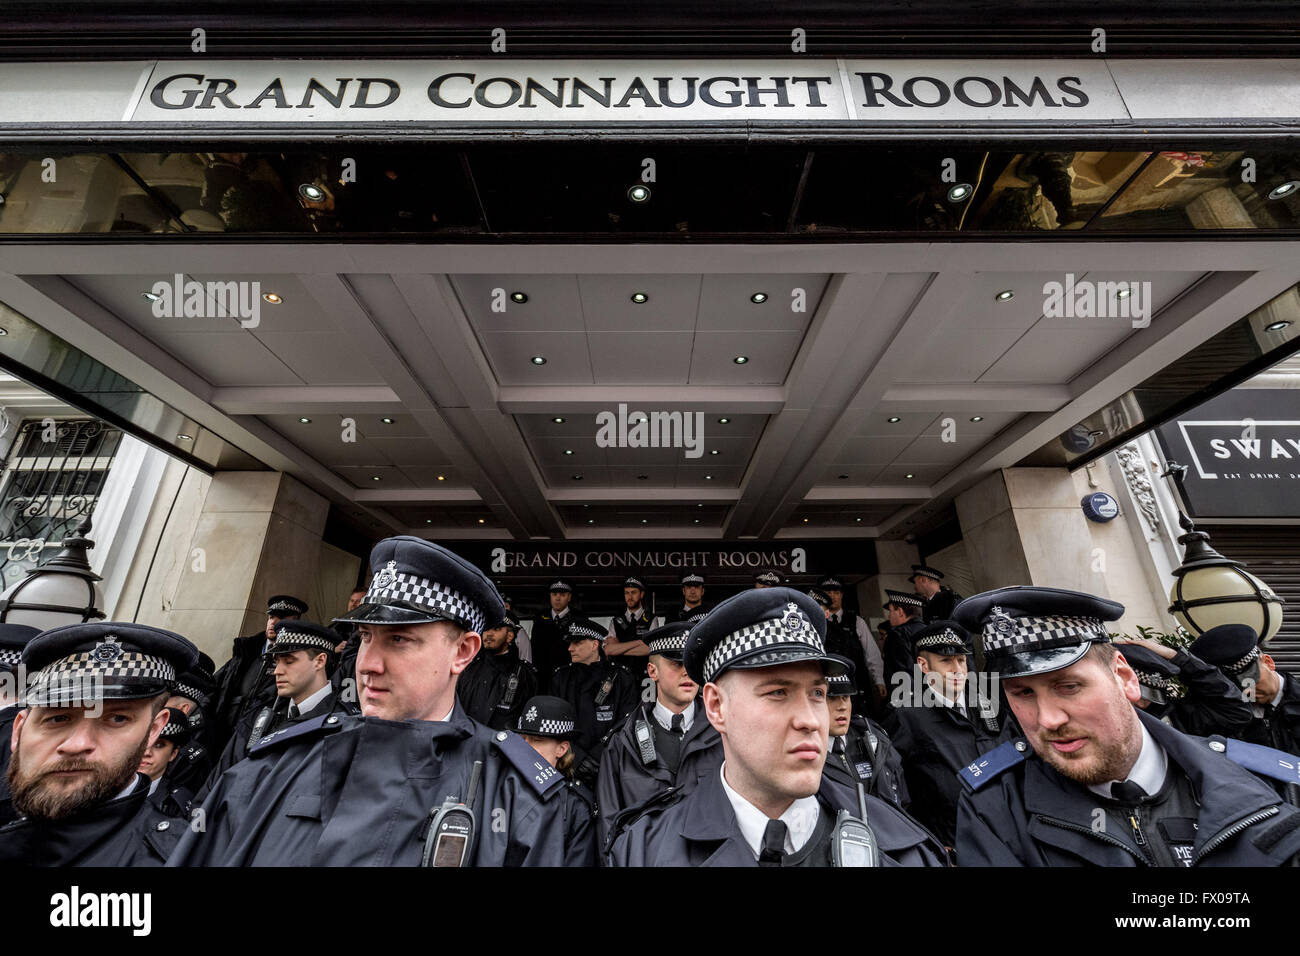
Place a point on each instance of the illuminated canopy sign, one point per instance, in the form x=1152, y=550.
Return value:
x=208, y=91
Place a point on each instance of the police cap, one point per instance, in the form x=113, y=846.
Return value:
x=767, y=578
x=925, y=571
x=820, y=596
x=758, y=628
x=943, y=637
x=302, y=636
x=582, y=629
x=416, y=581
x=1152, y=670
x=560, y=585
x=902, y=599
x=198, y=683
x=692, y=578
x=177, y=729
x=669, y=641
x=13, y=638
x=831, y=583
x=103, y=660
x=841, y=685
x=285, y=605
x=545, y=716
x=1033, y=630
x=1232, y=648
x=632, y=581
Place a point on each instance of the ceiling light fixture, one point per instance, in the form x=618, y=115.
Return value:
x=185, y=438
x=638, y=193
x=519, y=297
x=708, y=477
x=374, y=477
x=272, y=297
x=758, y=298
x=741, y=359
x=386, y=421
x=151, y=296
x=960, y=192
x=713, y=451
x=1277, y=326
x=1004, y=295
x=442, y=477
x=576, y=477
x=538, y=360
x=723, y=421
x=1123, y=293
x=305, y=421
x=311, y=192
x=909, y=475
x=1286, y=189
x=640, y=297
x=480, y=520
x=894, y=419
x=568, y=451
x=977, y=418
x=558, y=420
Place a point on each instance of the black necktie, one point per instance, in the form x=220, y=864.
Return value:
x=676, y=724
x=773, y=844
x=1127, y=793
x=838, y=745
x=293, y=711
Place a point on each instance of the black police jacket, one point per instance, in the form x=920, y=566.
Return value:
x=1280, y=725
x=700, y=829
x=342, y=790
x=580, y=685
x=483, y=689
x=685, y=613
x=243, y=684
x=1213, y=705
x=626, y=782
x=936, y=742
x=940, y=607
x=127, y=831
x=344, y=677
x=273, y=717
x=1027, y=814
x=897, y=653
x=842, y=639
x=7, y=716
x=550, y=646
x=190, y=769
x=880, y=768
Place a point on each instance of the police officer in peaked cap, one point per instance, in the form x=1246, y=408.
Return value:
x=497, y=682
x=1185, y=691
x=940, y=600
x=665, y=743
x=547, y=724
x=767, y=578
x=169, y=798
x=905, y=622
x=315, y=793
x=626, y=638
x=847, y=635
x=244, y=684
x=92, y=708
x=601, y=691
x=761, y=660
x=550, y=634
x=693, y=606
x=1093, y=780
x=860, y=749
x=13, y=638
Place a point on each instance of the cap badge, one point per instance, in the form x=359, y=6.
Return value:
x=387, y=575
x=531, y=715
x=1001, y=621
x=110, y=649
x=795, y=621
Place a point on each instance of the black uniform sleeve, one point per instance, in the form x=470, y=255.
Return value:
x=1214, y=703
x=979, y=842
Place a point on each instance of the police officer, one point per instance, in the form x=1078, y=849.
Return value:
x=192, y=695
x=1095, y=781
x=762, y=662
x=13, y=638
x=1273, y=698
x=93, y=708
x=547, y=724
x=523, y=644
x=664, y=744
x=905, y=623
x=244, y=685
x=601, y=692
x=940, y=600
x=1184, y=691
x=626, y=638
x=693, y=607
x=171, y=800
x=848, y=635
x=301, y=658
x=497, y=683
x=942, y=726
x=344, y=677
x=550, y=636
x=860, y=750
x=343, y=790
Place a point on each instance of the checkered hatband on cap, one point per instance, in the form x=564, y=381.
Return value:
x=927, y=573
x=948, y=638
x=193, y=693
x=66, y=680
x=548, y=726
x=580, y=631
x=768, y=577
x=173, y=728
x=692, y=579
x=791, y=628
x=898, y=597
x=1159, y=682
x=297, y=639
x=1005, y=633
x=1239, y=665
x=10, y=658
x=393, y=585
x=284, y=606
x=669, y=642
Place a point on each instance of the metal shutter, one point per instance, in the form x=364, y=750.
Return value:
x=1273, y=556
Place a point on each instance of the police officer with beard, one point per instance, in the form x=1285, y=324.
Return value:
x=343, y=790
x=93, y=708
x=1094, y=781
x=626, y=638
x=601, y=692
x=497, y=684
x=1184, y=691
x=762, y=662
x=13, y=638
x=666, y=744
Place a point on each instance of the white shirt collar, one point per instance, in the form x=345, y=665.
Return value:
x=153, y=784
x=800, y=818
x=312, y=700
x=559, y=614
x=665, y=716
x=1281, y=686
x=1148, y=770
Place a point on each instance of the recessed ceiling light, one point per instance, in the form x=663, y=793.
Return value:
x=305, y=421
x=519, y=296
x=311, y=192
x=591, y=521
x=959, y=192
x=758, y=298
x=639, y=297
x=185, y=438
x=386, y=421
x=576, y=477
x=1286, y=189
x=151, y=296
x=1123, y=293
x=697, y=520
x=741, y=359
x=1277, y=326
x=558, y=420
x=977, y=418
x=538, y=360
x=857, y=519
x=272, y=297
x=708, y=477
x=713, y=451
x=894, y=419
x=428, y=521
x=638, y=193
x=480, y=520
x=1004, y=295
x=568, y=451
x=374, y=477
x=805, y=520
x=442, y=477
x=909, y=475
x=701, y=505
x=643, y=521
x=723, y=421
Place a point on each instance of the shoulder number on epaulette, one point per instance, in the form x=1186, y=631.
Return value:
x=541, y=776
x=987, y=766
x=328, y=722
x=1262, y=760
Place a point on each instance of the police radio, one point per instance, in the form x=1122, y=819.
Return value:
x=259, y=727
x=1153, y=694
x=450, y=836
x=854, y=843
x=645, y=742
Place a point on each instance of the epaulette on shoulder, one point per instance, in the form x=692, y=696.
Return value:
x=626, y=817
x=541, y=776
x=584, y=794
x=987, y=766
x=317, y=726
x=1265, y=761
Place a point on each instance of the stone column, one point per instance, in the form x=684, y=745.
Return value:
x=894, y=560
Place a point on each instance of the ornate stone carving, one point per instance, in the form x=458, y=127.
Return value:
x=1138, y=480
